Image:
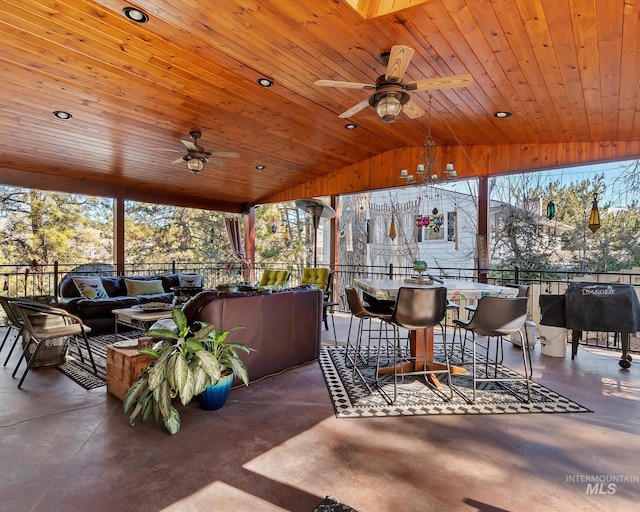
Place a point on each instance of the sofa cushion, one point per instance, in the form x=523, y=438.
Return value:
x=113, y=286
x=317, y=276
x=90, y=287
x=274, y=278
x=143, y=287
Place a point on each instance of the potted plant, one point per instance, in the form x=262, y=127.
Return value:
x=186, y=363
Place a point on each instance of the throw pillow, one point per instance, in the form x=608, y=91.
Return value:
x=90, y=287
x=187, y=280
x=140, y=287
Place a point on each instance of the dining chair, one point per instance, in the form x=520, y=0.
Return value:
x=495, y=317
x=14, y=325
x=62, y=325
x=416, y=309
x=352, y=354
x=523, y=291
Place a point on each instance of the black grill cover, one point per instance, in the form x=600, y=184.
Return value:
x=602, y=307
x=552, y=310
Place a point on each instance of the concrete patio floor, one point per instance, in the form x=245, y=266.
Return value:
x=277, y=445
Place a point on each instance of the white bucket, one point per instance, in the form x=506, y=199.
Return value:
x=553, y=340
x=531, y=333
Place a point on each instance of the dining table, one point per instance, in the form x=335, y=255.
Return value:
x=421, y=340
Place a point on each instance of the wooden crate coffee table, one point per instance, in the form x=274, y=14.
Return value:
x=124, y=366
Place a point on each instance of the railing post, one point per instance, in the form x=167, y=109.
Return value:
x=173, y=266
x=390, y=270
x=516, y=274
x=55, y=280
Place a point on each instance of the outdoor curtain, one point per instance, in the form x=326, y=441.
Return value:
x=235, y=239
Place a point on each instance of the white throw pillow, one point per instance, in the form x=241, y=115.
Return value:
x=90, y=287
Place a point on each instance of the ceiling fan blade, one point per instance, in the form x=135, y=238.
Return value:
x=216, y=162
x=444, y=82
x=224, y=154
x=412, y=110
x=399, y=59
x=345, y=85
x=190, y=145
x=179, y=160
x=355, y=109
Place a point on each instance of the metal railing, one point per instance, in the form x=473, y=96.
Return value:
x=40, y=282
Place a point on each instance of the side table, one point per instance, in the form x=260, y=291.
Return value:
x=124, y=366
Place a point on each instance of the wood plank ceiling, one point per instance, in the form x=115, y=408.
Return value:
x=568, y=71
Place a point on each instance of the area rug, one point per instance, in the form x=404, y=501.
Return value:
x=82, y=372
x=330, y=504
x=353, y=399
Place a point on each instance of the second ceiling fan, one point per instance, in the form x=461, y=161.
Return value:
x=391, y=96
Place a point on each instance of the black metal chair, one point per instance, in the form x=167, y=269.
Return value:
x=415, y=309
x=495, y=317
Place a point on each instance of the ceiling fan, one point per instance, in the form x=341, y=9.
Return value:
x=196, y=156
x=391, y=95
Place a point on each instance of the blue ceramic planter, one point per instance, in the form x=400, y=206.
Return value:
x=214, y=397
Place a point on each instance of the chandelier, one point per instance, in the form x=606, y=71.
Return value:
x=427, y=171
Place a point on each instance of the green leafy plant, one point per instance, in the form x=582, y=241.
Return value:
x=186, y=362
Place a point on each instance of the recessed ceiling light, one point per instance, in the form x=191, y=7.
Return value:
x=260, y=167
x=502, y=115
x=135, y=14
x=350, y=126
x=264, y=82
x=60, y=114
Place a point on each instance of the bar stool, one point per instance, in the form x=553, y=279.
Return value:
x=496, y=317
x=416, y=309
x=352, y=355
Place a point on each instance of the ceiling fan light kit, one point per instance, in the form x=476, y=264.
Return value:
x=196, y=156
x=391, y=97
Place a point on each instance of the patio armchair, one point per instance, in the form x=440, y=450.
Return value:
x=274, y=279
x=53, y=323
x=14, y=326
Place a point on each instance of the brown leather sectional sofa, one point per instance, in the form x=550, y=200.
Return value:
x=283, y=327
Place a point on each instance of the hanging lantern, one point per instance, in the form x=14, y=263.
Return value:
x=419, y=222
x=392, y=229
x=594, y=217
x=286, y=234
x=551, y=210
x=274, y=228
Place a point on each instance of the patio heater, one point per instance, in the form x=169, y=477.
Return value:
x=317, y=209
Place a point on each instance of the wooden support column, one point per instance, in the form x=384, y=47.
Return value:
x=250, y=239
x=482, y=240
x=118, y=233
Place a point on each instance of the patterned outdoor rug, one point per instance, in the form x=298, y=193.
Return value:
x=354, y=400
x=330, y=504
x=82, y=372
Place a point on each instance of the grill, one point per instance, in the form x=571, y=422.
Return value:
x=594, y=307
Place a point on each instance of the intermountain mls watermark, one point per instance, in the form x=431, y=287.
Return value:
x=602, y=484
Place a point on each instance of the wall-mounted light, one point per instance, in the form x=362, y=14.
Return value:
x=135, y=15
x=594, y=216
